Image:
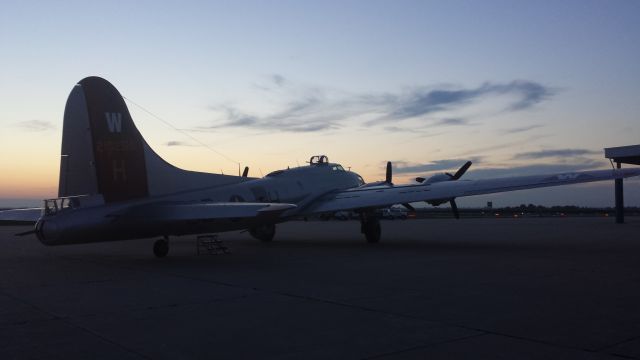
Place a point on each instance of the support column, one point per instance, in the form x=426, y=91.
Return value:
x=619, y=199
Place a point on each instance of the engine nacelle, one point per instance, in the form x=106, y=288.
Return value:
x=434, y=179
x=438, y=178
x=445, y=176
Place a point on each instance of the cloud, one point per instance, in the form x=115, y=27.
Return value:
x=530, y=93
x=416, y=133
x=235, y=118
x=451, y=122
x=297, y=116
x=177, y=143
x=533, y=169
x=397, y=129
x=522, y=129
x=553, y=153
x=36, y=125
x=422, y=101
x=272, y=82
x=316, y=109
x=278, y=79
x=401, y=167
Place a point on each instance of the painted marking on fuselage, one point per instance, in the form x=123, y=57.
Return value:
x=119, y=170
x=114, y=121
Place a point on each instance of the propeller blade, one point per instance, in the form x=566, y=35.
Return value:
x=389, y=173
x=461, y=171
x=454, y=208
x=245, y=172
x=409, y=207
x=26, y=233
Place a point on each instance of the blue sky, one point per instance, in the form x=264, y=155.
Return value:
x=530, y=86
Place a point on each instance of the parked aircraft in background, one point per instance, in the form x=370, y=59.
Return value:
x=113, y=186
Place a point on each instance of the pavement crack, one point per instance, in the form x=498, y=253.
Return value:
x=425, y=346
x=258, y=289
x=67, y=321
x=604, y=348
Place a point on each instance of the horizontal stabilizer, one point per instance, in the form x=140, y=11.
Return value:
x=20, y=216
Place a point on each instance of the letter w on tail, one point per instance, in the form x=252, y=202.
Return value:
x=114, y=122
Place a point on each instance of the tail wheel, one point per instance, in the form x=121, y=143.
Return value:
x=161, y=248
x=370, y=227
x=263, y=233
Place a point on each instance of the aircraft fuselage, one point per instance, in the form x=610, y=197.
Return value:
x=300, y=186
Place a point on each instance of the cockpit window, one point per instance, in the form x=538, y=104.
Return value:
x=360, y=180
x=337, y=168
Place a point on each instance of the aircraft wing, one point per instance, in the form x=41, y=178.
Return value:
x=386, y=195
x=20, y=216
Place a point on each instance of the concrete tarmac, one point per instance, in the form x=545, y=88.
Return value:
x=546, y=288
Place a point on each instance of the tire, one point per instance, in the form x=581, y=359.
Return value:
x=161, y=248
x=264, y=233
x=372, y=231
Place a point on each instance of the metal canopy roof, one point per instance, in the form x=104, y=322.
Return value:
x=624, y=154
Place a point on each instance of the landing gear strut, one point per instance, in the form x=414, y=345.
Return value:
x=161, y=247
x=370, y=227
x=263, y=233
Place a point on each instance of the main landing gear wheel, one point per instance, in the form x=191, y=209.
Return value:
x=370, y=227
x=263, y=233
x=161, y=248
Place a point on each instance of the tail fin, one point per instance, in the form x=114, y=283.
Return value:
x=104, y=153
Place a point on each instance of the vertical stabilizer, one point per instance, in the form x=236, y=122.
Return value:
x=118, y=147
x=104, y=153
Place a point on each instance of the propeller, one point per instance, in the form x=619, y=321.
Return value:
x=388, y=180
x=408, y=207
x=454, y=207
x=245, y=172
x=460, y=171
x=389, y=176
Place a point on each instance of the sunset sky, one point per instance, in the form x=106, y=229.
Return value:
x=518, y=87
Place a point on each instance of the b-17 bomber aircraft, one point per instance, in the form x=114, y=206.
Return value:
x=113, y=186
